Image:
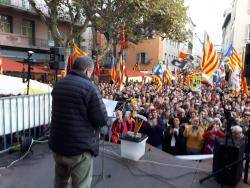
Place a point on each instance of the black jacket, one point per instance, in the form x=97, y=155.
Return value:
x=155, y=133
x=77, y=114
x=180, y=145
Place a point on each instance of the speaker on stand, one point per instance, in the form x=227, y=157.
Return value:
x=57, y=59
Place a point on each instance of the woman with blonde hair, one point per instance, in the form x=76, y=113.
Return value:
x=118, y=127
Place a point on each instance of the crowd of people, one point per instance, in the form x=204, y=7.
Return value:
x=179, y=121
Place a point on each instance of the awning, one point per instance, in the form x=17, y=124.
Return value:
x=9, y=65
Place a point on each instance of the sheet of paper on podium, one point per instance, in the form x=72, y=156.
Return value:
x=110, y=106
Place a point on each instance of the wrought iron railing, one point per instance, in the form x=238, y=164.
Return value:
x=18, y=40
x=20, y=4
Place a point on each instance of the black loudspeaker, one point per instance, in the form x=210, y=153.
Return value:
x=57, y=58
x=225, y=155
x=247, y=60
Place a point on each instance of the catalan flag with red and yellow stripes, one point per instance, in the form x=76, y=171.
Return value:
x=210, y=59
x=234, y=59
x=159, y=81
x=121, y=69
x=113, y=71
x=169, y=76
x=121, y=58
x=77, y=51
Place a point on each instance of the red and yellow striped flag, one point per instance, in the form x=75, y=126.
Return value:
x=169, y=76
x=159, y=81
x=77, y=51
x=121, y=61
x=234, y=59
x=244, y=84
x=122, y=69
x=113, y=73
x=210, y=59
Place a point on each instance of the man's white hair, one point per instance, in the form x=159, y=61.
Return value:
x=236, y=129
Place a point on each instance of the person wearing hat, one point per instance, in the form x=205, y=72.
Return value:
x=78, y=112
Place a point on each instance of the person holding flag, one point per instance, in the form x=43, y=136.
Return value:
x=238, y=78
x=158, y=76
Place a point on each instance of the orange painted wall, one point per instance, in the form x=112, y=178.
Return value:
x=154, y=48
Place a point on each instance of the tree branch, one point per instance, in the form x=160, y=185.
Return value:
x=77, y=30
x=39, y=12
x=106, y=51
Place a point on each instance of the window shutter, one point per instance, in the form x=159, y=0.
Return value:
x=146, y=58
x=138, y=58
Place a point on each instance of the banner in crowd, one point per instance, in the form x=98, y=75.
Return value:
x=110, y=106
x=196, y=83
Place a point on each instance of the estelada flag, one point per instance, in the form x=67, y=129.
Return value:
x=183, y=56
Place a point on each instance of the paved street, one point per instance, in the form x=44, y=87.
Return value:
x=37, y=172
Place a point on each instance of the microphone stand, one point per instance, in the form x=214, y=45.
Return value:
x=102, y=176
x=228, y=166
x=247, y=156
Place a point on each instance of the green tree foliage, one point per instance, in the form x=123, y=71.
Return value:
x=62, y=12
x=143, y=18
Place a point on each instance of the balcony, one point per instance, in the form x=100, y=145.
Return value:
x=17, y=40
x=23, y=5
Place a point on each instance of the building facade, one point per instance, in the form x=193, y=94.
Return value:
x=22, y=30
x=236, y=26
x=147, y=54
x=172, y=49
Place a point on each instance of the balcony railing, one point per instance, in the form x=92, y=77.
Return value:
x=20, y=4
x=17, y=40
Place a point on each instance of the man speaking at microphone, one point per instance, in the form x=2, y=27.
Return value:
x=77, y=114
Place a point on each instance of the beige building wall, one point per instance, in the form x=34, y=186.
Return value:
x=238, y=30
x=154, y=49
x=241, y=24
x=16, y=38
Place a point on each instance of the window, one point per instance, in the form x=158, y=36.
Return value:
x=248, y=6
x=166, y=56
x=26, y=4
x=142, y=58
x=5, y=24
x=50, y=35
x=28, y=30
x=51, y=42
x=6, y=2
x=248, y=31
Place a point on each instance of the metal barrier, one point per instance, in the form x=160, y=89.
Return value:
x=26, y=115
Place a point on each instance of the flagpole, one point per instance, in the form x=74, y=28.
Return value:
x=204, y=43
x=243, y=69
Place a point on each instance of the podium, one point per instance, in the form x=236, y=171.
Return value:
x=133, y=147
